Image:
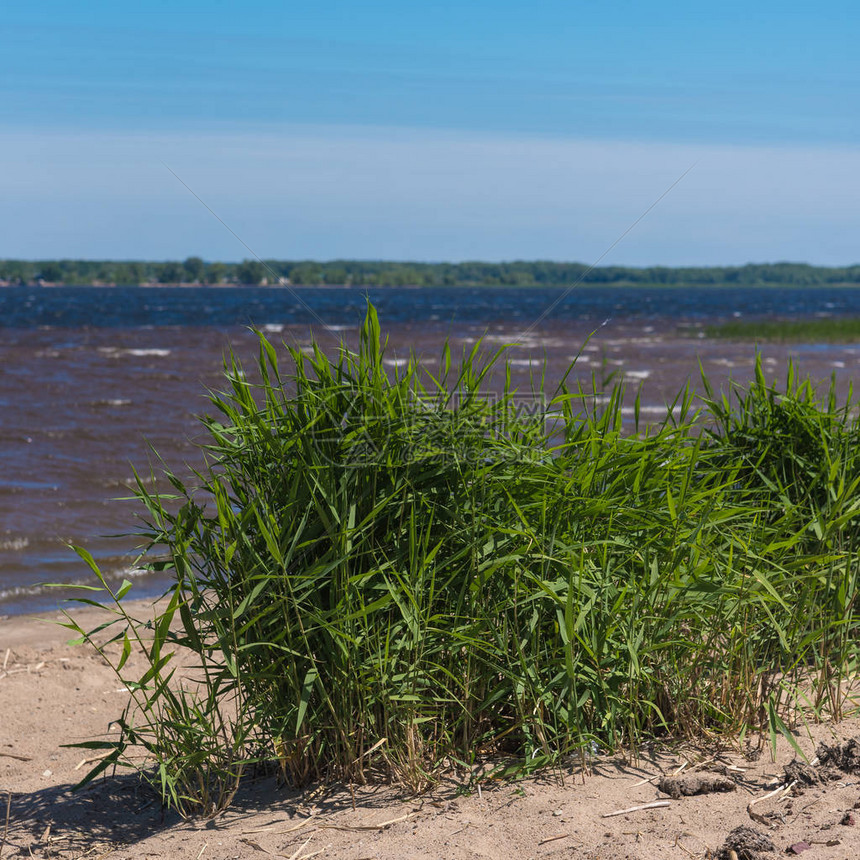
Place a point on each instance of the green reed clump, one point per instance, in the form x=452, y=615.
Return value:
x=824, y=330
x=381, y=575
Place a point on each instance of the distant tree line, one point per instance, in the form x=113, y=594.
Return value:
x=372, y=273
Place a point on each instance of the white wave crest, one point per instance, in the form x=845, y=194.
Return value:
x=14, y=544
x=116, y=352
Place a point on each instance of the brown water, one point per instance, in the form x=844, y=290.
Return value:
x=79, y=407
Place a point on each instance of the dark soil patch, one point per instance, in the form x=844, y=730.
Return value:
x=746, y=843
x=695, y=783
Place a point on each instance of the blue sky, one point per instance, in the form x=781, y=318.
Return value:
x=431, y=131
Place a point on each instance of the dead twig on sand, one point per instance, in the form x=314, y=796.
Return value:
x=295, y=827
x=553, y=838
x=85, y=761
x=657, y=804
x=305, y=856
x=658, y=775
x=383, y=825
x=298, y=850
x=785, y=788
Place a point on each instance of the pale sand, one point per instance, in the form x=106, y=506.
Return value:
x=52, y=694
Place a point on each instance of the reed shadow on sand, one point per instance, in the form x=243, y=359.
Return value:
x=123, y=810
x=118, y=810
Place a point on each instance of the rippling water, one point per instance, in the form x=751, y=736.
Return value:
x=122, y=307
x=90, y=376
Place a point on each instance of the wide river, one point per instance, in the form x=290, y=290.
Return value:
x=91, y=377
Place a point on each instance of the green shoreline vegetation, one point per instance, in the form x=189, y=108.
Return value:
x=388, y=575
x=370, y=273
x=823, y=330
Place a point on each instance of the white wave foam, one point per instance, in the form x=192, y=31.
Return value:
x=131, y=572
x=649, y=410
x=15, y=544
x=116, y=352
x=644, y=409
x=637, y=374
x=524, y=339
x=273, y=328
x=161, y=353
x=113, y=401
x=20, y=591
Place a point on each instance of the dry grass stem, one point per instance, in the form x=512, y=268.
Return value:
x=383, y=825
x=292, y=829
x=553, y=838
x=784, y=789
x=657, y=804
x=299, y=850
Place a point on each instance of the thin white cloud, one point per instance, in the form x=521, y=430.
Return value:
x=344, y=191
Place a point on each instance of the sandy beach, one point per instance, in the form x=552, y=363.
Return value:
x=53, y=694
